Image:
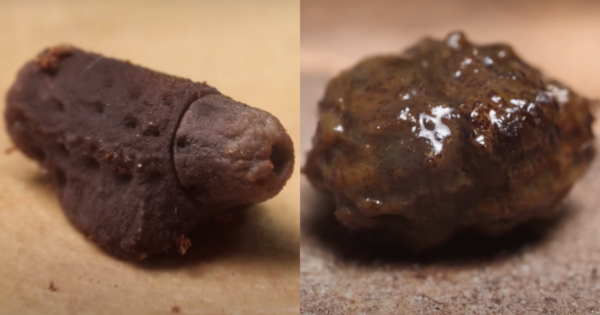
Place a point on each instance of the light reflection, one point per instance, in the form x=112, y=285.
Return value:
x=488, y=61
x=453, y=41
x=493, y=118
x=465, y=62
x=440, y=130
x=480, y=140
x=375, y=201
x=518, y=102
x=405, y=115
x=560, y=95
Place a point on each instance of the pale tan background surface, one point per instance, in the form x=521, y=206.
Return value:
x=532, y=271
x=249, y=50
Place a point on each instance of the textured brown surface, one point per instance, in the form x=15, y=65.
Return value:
x=248, y=265
x=549, y=268
x=448, y=135
x=120, y=143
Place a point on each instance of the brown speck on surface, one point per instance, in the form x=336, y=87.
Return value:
x=10, y=150
x=175, y=309
x=183, y=243
x=51, y=287
x=49, y=59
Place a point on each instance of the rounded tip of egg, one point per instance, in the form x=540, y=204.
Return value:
x=227, y=153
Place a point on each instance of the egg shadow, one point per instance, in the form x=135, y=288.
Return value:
x=321, y=228
x=245, y=234
x=211, y=239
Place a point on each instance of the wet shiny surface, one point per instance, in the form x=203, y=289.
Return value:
x=448, y=134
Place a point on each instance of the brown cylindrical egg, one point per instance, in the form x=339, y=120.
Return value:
x=138, y=157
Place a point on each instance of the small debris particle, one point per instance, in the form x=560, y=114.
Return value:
x=51, y=287
x=175, y=309
x=50, y=58
x=10, y=150
x=183, y=243
x=550, y=299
